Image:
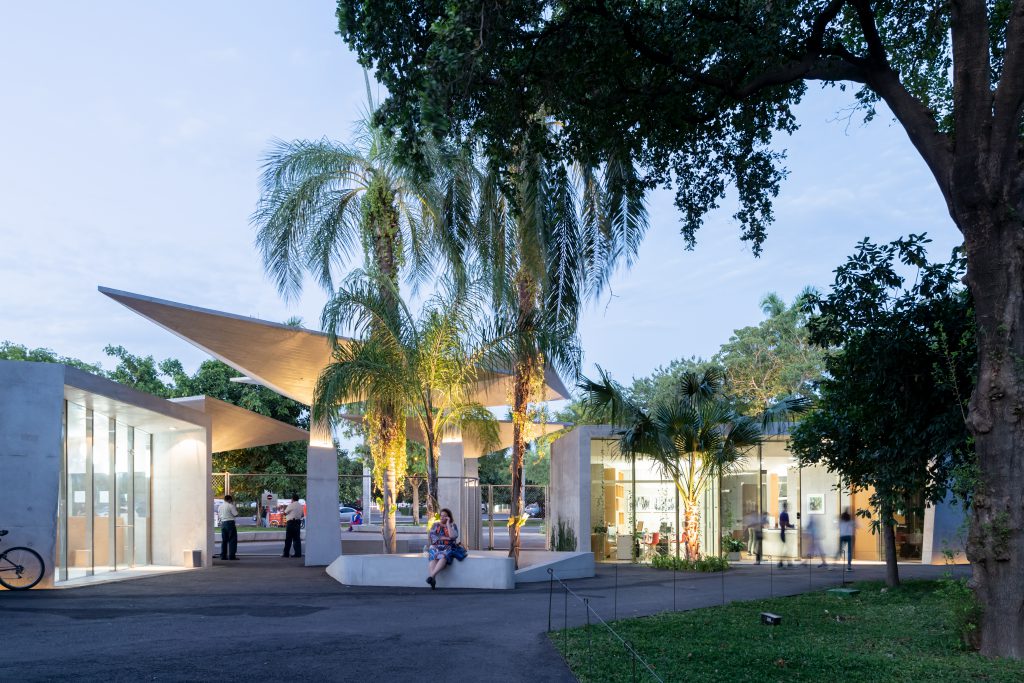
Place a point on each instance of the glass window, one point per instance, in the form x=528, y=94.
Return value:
x=103, y=493
x=123, y=494
x=142, y=449
x=78, y=504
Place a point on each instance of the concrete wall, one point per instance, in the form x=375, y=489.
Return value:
x=945, y=533
x=31, y=452
x=323, y=528
x=818, y=480
x=182, y=497
x=570, y=481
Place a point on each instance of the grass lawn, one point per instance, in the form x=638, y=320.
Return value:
x=907, y=634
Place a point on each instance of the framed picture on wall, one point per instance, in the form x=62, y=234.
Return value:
x=816, y=503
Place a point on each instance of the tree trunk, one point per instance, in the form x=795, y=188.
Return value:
x=387, y=527
x=415, y=501
x=892, y=572
x=995, y=543
x=522, y=380
x=691, y=527
x=433, y=454
x=520, y=404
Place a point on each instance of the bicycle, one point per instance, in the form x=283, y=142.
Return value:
x=20, y=568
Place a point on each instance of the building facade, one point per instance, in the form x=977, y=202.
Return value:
x=625, y=509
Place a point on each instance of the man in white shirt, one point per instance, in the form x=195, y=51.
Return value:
x=293, y=515
x=228, y=531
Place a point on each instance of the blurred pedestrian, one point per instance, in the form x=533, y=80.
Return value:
x=814, y=536
x=293, y=526
x=846, y=527
x=783, y=525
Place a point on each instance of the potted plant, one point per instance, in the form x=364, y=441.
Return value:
x=599, y=541
x=732, y=547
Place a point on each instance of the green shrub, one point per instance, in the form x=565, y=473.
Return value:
x=564, y=537
x=965, y=607
x=682, y=564
x=732, y=545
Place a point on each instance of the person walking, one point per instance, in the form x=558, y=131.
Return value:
x=846, y=527
x=293, y=527
x=814, y=536
x=783, y=525
x=228, y=530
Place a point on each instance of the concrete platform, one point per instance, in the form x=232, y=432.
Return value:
x=480, y=570
x=487, y=569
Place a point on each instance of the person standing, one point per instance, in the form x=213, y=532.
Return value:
x=293, y=526
x=783, y=525
x=846, y=527
x=228, y=530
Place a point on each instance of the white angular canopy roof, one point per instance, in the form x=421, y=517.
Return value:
x=233, y=427
x=280, y=357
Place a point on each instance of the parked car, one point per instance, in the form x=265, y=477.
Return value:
x=534, y=510
x=346, y=514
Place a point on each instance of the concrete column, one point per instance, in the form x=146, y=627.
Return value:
x=450, y=470
x=367, y=494
x=323, y=530
x=471, y=524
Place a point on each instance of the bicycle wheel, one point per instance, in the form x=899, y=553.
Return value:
x=20, y=568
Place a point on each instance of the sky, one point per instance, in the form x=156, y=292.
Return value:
x=131, y=139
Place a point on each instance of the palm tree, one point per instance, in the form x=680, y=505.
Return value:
x=546, y=239
x=324, y=201
x=428, y=364
x=694, y=437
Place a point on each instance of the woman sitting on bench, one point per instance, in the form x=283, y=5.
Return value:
x=444, y=536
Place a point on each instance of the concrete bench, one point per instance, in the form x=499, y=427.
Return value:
x=479, y=570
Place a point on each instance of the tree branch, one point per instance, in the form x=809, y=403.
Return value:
x=972, y=96
x=921, y=127
x=1009, y=96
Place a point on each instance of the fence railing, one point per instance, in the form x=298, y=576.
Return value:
x=637, y=662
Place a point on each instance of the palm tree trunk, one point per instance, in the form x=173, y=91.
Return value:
x=522, y=381
x=691, y=527
x=388, y=526
x=415, y=501
x=520, y=404
x=433, y=454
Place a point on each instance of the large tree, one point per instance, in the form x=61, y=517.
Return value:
x=322, y=202
x=547, y=237
x=694, y=91
x=892, y=408
x=428, y=363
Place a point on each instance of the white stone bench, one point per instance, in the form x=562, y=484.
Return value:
x=479, y=570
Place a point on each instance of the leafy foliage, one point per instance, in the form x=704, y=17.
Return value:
x=892, y=408
x=710, y=563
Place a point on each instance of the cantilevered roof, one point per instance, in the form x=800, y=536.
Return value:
x=283, y=358
x=472, y=448
x=234, y=427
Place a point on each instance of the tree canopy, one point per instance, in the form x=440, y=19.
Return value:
x=893, y=404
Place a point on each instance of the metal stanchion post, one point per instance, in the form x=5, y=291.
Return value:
x=551, y=594
x=590, y=652
x=615, y=609
x=723, y=586
x=674, y=572
x=565, y=623
x=771, y=576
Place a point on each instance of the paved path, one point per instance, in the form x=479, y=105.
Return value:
x=271, y=618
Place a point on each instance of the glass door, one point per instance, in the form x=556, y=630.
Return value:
x=123, y=488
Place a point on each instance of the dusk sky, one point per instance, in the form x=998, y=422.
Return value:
x=132, y=138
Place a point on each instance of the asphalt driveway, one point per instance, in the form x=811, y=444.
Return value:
x=272, y=618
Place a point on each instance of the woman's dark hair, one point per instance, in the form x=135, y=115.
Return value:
x=450, y=516
x=845, y=517
x=228, y=499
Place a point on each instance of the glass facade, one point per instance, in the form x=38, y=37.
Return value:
x=105, y=495
x=741, y=512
